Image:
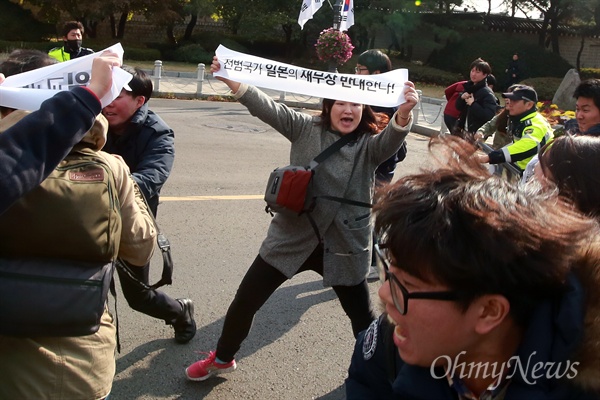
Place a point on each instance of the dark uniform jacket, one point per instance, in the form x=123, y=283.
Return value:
x=148, y=148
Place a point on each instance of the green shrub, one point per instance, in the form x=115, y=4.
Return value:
x=19, y=24
x=211, y=40
x=497, y=50
x=589, y=73
x=192, y=53
x=545, y=87
x=139, y=54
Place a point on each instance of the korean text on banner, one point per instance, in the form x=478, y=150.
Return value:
x=28, y=90
x=386, y=90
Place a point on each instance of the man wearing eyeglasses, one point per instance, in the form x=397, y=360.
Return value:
x=489, y=292
x=530, y=129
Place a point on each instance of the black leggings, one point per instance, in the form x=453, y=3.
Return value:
x=261, y=281
x=154, y=303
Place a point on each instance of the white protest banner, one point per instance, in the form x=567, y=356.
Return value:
x=308, y=9
x=347, y=15
x=386, y=90
x=27, y=91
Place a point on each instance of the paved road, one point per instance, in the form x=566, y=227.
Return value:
x=213, y=213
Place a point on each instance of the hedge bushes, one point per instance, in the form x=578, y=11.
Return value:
x=545, y=87
x=589, y=73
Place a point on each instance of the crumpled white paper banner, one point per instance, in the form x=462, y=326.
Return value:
x=386, y=90
x=28, y=90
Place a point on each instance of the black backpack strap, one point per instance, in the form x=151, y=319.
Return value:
x=335, y=146
x=347, y=201
x=167, y=272
x=165, y=247
x=113, y=291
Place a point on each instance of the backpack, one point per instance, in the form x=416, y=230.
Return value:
x=58, y=245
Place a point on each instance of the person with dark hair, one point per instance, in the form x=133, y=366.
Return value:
x=587, y=108
x=477, y=103
x=514, y=71
x=33, y=147
x=23, y=60
x=43, y=363
x=529, y=129
x=586, y=121
x=72, y=34
x=147, y=145
x=568, y=162
x=334, y=238
x=373, y=62
x=490, y=291
x=497, y=126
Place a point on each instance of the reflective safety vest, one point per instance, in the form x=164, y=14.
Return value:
x=531, y=133
x=59, y=54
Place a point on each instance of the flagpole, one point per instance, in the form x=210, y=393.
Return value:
x=337, y=20
x=337, y=14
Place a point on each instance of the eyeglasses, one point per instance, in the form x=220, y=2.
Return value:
x=400, y=295
x=359, y=69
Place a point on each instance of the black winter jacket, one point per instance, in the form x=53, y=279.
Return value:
x=483, y=108
x=148, y=148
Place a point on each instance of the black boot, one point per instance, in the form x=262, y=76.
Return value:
x=185, y=326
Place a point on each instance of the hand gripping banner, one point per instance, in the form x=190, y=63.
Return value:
x=386, y=90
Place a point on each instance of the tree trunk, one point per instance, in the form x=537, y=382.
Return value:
x=288, y=30
x=543, y=31
x=171, y=34
x=122, y=22
x=189, y=29
x=113, y=26
x=578, y=66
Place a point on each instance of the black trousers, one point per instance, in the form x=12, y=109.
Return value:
x=261, y=281
x=150, y=302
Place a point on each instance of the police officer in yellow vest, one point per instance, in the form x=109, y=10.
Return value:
x=529, y=129
x=72, y=36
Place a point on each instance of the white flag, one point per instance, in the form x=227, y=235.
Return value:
x=309, y=8
x=347, y=15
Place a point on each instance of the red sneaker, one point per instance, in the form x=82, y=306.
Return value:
x=204, y=369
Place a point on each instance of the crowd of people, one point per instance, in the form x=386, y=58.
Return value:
x=501, y=274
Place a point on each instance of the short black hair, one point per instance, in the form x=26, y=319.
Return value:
x=479, y=234
x=375, y=60
x=589, y=88
x=70, y=25
x=480, y=65
x=140, y=84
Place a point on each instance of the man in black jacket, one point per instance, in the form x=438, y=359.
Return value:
x=147, y=146
x=477, y=103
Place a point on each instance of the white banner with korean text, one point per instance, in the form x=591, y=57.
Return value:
x=386, y=90
x=28, y=90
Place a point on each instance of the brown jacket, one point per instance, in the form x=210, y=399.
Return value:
x=78, y=367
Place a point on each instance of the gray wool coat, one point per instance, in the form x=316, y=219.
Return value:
x=348, y=173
